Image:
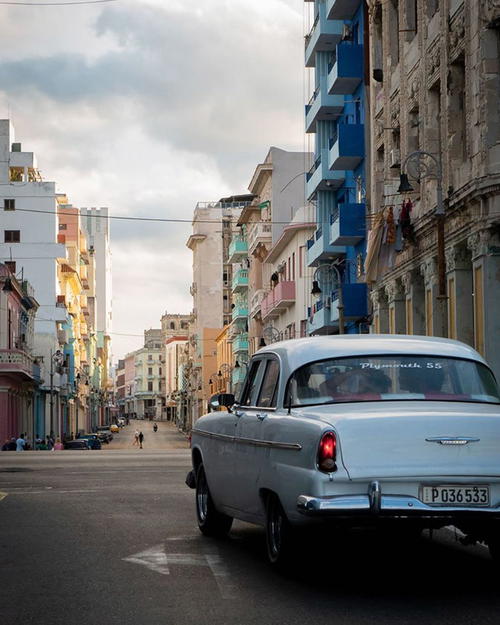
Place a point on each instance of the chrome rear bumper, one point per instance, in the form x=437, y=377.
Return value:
x=375, y=502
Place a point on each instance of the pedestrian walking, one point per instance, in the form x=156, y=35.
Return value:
x=20, y=443
x=136, y=438
x=58, y=445
x=141, y=438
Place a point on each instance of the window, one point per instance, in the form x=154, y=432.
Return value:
x=293, y=266
x=12, y=236
x=150, y=386
x=267, y=395
x=159, y=371
x=150, y=370
x=9, y=205
x=248, y=397
x=302, y=262
x=63, y=226
x=11, y=266
x=375, y=378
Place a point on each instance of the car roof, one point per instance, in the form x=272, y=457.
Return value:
x=298, y=352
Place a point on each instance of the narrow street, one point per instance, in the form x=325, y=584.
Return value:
x=110, y=536
x=167, y=437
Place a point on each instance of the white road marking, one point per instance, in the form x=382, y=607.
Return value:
x=3, y=495
x=158, y=561
x=222, y=576
x=153, y=559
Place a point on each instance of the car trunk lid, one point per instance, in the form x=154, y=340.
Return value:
x=416, y=439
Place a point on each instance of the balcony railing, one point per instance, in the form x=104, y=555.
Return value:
x=256, y=301
x=16, y=361
x=278, y=299
x=347, y=147
x=324, y=35
x=259, y=233
x=240, y=343
x=348, y=225
x=346, y=73
x=238, y=249
x=239, y=312
x=240, y=280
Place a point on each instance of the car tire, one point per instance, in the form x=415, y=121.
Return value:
x=279, y=534
x=210, y=521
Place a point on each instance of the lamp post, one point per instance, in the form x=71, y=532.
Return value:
x=417, y=164
x=55, y=359
x=316, y=289
x=222, y=374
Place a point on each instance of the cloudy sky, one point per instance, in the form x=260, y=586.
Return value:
x=147, y=107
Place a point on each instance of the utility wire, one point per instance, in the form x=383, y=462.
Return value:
x=54, y=4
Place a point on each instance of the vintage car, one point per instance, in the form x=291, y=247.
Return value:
x=354, y=430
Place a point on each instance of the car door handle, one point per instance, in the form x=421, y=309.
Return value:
x=261, y=417
x=238, y=413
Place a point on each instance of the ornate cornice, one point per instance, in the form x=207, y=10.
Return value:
x=457, y=257
x=478, y=243
x=428, y=269
x=393, y=291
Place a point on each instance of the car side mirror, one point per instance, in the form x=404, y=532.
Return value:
x=226, y=399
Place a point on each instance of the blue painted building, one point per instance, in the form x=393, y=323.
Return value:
x=336, y=182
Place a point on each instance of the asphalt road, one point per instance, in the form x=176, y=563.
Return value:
x=104, y=537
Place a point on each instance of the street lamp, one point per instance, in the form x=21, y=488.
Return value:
x=417, y=164
x=223, y=375
x=322, y=274
x=56, y=359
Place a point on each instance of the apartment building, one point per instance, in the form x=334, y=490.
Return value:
x=277, y=187
x=29, y=243
x=19, y=370
x=174, y=329
x=213, y=282
x=435, y=170
x=335, y=116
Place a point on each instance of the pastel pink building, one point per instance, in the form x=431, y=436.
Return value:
x=19, y=374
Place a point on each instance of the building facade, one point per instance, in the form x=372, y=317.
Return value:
x=335, y=115
x=435, y=118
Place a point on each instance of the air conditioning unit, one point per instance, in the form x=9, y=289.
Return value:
x=346, y=33
x=394, y=158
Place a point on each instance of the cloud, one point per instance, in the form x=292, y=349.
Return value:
x=149, y=107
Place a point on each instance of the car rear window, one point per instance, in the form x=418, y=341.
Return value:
x=379, y=378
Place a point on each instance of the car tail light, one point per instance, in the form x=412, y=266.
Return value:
x=327, y=453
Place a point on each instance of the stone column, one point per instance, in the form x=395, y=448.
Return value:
x=397, y=310
x=459, y=290
x=485, y=250
x=380, y=323
x=414, y=302
x=433, y=313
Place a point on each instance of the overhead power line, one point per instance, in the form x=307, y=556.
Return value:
x=56, y=4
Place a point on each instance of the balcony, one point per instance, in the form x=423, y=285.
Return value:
x=240, y=281
x=321, y=178
x=17, y=362
x=346, y=72
x=238, y=250
x=341, y=9
x=354, y=298
x=256, y=301
x=348, y=226
x=239, y=374
x=278, y=299
x=258, y=234
x=240, y=343
x=319, y=249
x=347, y=148
x=240, y=311
x=319, y=319
x=323, y=107
x=325, y=34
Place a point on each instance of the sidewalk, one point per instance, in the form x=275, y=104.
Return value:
x=167, y=437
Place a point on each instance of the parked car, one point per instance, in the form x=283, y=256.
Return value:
x=92, y=439
x=104, y=433
x=353, y=430
x=78, y=443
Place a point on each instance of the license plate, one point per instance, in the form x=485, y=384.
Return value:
x=456, y=496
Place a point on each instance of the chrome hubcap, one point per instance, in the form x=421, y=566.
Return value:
x=202, y=497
